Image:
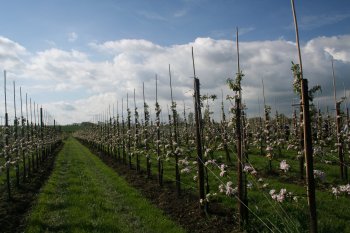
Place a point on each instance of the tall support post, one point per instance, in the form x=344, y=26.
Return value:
x=159, y=158
x=32, y=134
x=123, y=134
x=15, y=126
x=338, y=127
x=198, y=116
x=129, y=129
x=6, y=142
x=175, y=140
x=137, y=136
x=42, y=133
x=22, y=137
x=27, y=136
x=311, y=192
x=146, y=134
x=242, y=202
x=240, y=188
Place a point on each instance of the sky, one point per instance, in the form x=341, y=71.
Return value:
x=77, y=58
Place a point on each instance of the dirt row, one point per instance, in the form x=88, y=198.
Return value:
x=13, y=213
x=183, y=209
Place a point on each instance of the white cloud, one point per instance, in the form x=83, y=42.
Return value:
x=180, y=13
x=72, y=36
x=131, y=46
x=11, y=54
x=73, y=75
x=316, y=21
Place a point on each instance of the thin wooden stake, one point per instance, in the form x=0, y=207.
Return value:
x=242, y=205
x=6, y=154
x=338, y=127
x=311, y=193
x=174, y=113
x=197, y=108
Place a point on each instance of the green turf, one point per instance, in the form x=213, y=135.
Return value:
x=289, y=216
x=84, y=195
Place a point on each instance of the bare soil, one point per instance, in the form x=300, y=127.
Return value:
x=183, y=209
x=13, y=212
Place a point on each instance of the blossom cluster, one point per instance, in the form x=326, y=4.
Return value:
x=284, y=166
x=341, y=189
x=228, y=189
x=184, y=162
x=208, y=198
x=249, y=169
x=281, y=195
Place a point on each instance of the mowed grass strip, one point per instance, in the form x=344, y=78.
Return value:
x=84, y=195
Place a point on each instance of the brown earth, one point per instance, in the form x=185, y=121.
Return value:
x=13, y=212
x=183, y=209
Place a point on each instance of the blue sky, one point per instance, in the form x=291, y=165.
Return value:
x=39, y=24
x=63, y=46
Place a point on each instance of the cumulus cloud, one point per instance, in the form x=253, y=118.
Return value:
x=11, y=53
x=89, y=86
x=130, y=46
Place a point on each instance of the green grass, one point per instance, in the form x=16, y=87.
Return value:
x=289, y=216
x=84, y=195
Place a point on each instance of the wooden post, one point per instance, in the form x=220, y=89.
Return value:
x=146, y=135
x=311, y=193
x=118, y=133
x=136, y=122
x=346, y=162
x=301, y=141
x=22, y=137
x=6, y=154
x=36, y=134
x=175, y=138
x=160, y=161
x=198, y=116
x=43, y=146
x=242, y=203
x=223, y=129
x=27, y=135
x=32, y=133
x=129, y=129
x=123, y=134
x=338, y=127
x=238, y=134
x=15, y=128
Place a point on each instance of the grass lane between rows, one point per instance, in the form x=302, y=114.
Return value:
x=85, y=195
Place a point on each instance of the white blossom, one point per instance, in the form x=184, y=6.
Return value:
x=284, y=166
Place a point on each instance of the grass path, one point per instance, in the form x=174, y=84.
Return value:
x=84, y=195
